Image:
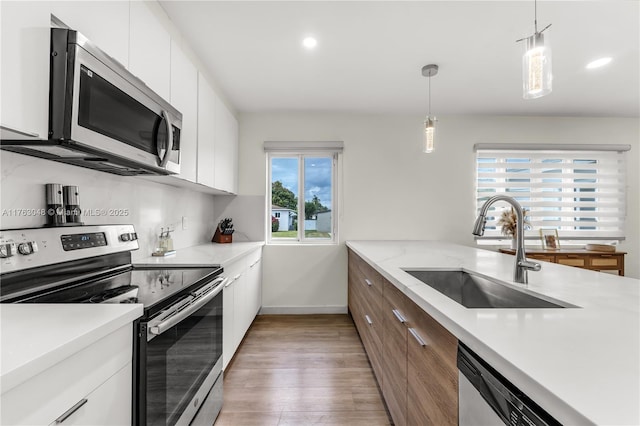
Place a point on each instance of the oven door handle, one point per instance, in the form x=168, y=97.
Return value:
x=199, y=303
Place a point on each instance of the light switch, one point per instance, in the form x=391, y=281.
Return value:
x=184, y=223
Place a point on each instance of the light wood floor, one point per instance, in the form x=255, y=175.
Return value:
x=301, y=370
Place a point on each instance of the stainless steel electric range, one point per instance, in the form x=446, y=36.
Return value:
x=178, y=341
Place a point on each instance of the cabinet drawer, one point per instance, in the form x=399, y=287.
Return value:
x=605, y=260
x=43, y=398
x=571, y=260
x=543, y=257
x=368, y=276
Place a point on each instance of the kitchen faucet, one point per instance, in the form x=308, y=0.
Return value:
x=522, y=265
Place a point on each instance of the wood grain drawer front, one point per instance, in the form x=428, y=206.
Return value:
x=432, y=375
x=394, y=366
x=606, y=261
x=572, y=260
x=369, y=277
x=543, y=257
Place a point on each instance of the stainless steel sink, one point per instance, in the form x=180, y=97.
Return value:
x=473, y=291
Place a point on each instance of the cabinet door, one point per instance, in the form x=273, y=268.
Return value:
x=226, y=149
x=105, y=23
x=184, y=96
x=394, y=353
x=206, y=132
x=240, y=310
x=432, y=373
x=109, y=404
x=228, y=298
x=149, y=48
x=254, y=290
x=24, y=74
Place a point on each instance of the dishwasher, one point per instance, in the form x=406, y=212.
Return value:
x=486, y=398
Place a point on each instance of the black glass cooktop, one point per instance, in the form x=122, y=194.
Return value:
x=148, y=286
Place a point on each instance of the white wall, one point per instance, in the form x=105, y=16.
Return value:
x=151, y=205
x=383, y=170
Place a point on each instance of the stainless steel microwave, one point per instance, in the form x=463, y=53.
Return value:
x=103, y=117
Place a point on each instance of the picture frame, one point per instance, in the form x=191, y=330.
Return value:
x=549, y=238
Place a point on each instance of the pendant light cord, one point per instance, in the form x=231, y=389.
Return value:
x=535, y=16
x=429, y=96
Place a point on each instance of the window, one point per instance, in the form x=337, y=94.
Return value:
x=578, y=190
x=302, y=191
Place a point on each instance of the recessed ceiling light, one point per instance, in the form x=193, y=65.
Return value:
x=598, y=63
x=309, y=42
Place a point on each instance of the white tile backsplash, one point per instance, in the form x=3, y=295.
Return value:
x=150, y=205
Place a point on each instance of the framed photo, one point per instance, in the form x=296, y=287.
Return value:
x=550, y=240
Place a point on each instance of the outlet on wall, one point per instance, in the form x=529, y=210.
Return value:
x=184, y=223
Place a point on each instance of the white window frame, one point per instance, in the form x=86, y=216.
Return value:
x=302, y=151
x=567, y=229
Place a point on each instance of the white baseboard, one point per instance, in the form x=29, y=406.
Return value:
x=302, y=310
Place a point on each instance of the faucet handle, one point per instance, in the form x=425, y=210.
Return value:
x=529, y=265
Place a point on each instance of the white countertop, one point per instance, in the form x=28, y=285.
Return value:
x=582, y=365
x=35, y=337
x=203, y=255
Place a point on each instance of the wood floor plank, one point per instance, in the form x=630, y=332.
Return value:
x=302, y=370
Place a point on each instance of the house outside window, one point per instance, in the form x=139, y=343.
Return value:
x=578, y=190
x=302, y=192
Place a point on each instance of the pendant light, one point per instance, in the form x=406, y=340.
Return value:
x=536, y=62
x=430, y=122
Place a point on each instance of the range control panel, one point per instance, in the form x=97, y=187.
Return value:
x=28, y=248
x=82, y=241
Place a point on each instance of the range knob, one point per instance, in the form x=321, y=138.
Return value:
x=28, y=248
x=7, y=250
x=129, y=236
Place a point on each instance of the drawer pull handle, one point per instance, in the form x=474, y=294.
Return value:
x=416, y=336
x=368, y=319
x=369, y=283
x=399, y=316
x=71, y=410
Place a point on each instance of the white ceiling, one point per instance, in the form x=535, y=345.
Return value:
x=370, y=54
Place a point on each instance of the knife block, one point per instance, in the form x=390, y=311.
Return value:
x=221, y=238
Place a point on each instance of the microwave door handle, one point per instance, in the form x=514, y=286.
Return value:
x=169, y=323
x=164, y=159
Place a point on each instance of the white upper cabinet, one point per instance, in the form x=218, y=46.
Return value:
x=24, y=82
x=226, y=149
x=206, y=132
x=184, y=96
x=105, y=23
x=149, y=49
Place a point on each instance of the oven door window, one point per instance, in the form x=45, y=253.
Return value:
x=179, y=360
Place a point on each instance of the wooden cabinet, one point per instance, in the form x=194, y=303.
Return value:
x=394, y=353
x=242, y=299
x=184, y=96
x=149, y=48
x=105, y=23
x=24, y=70
x=432, y=373
x=586, y=259
x=417, y=371
x=206, y=132
x=100, y=373
x=365, y=305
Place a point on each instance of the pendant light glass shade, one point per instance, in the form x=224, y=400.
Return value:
x=430, y=122
x=536, y=67
x=429, y=130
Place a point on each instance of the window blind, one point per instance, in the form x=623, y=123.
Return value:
x=581, y=193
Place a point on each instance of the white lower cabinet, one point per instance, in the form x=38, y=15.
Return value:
x=242, y=299
x=101, y=373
